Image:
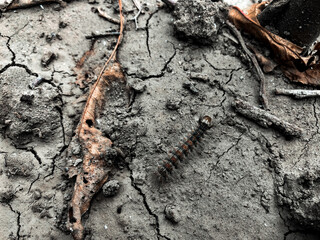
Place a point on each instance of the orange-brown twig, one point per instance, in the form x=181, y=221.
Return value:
x=94, y=171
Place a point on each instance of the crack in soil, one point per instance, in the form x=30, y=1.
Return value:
x=147, y=31
x=144, y=198
x=145, y=203
x=162, y=72
x=18, y=220
x=306, y=146
x=224, y=153
x=31, y=184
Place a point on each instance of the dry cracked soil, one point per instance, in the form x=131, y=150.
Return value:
x=242, y=182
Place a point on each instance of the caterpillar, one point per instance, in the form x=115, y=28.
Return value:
x=187, y=146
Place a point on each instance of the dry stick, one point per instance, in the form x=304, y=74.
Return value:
x=298, y=93
x=103, y=14
x=135, y=18
x=265, y=119
x=102, y=35
x=252, y=57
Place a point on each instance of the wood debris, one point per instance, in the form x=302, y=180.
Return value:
x=298, y=93
x=263, y=96
x=103, y=14
x=135, y=18
x=94, y=172
x=266, y=119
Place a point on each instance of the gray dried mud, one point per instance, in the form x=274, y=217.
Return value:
x=242, y=181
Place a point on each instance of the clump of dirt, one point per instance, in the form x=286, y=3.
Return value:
x=19, y=164
x=200, y=20
x=28, y=114
x=300, y=197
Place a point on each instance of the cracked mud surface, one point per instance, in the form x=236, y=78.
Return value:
x=242, y=181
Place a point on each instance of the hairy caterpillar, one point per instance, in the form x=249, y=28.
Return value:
x=183, y=150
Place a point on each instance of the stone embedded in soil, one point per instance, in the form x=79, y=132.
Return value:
x=111, y=188
x=173, y=103
x=6, y=193
x=172, y=214
x=200, y=20
x=48, y=58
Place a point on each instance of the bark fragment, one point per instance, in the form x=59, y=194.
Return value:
x=266, y=119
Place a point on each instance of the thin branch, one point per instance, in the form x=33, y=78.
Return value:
x=265, y=119
x=138, y=5
x=262, y=93
x=103, y=14
x=102, y=35
x=298, y=93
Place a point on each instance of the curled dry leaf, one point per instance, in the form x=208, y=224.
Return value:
x=296, y=67
x=94, y=172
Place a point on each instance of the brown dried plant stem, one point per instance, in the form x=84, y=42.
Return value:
x=94, y=172
x=262, y=93
x=265, y=119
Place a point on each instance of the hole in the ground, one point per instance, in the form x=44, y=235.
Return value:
x=119, y=209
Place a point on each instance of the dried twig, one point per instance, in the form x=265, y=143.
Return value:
x=135, y=18
x=298, y=93
x=265, y=119
x=94, y=172
x=102, y=35
x=252, y=57
x=103, y=14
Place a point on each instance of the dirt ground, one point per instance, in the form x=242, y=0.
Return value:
x=242, y=182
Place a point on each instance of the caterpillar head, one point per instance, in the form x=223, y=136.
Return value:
x=206, y=120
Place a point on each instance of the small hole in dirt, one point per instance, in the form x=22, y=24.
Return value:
x=89, y=122
x=119, y=209
x=85, y=180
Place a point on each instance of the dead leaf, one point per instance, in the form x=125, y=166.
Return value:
x=94, y=172
x=296, y=67
x=267, y=64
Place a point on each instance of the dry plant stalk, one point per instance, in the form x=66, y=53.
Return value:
x=94, y=172
x=296, y=67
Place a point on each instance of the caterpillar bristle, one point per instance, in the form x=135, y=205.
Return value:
x=185, y=148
